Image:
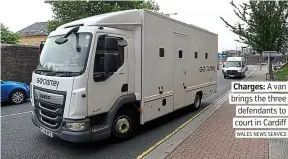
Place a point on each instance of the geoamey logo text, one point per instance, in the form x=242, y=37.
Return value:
x=53, y=83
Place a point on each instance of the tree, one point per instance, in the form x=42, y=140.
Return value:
x=67, y=11
x=263, y=25
x=8, y=37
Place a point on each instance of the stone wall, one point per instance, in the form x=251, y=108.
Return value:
x=18, y=62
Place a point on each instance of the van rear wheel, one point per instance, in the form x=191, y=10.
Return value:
x=124, y=125
x=197, y=102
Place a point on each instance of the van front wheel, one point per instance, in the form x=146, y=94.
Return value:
x=124, y=125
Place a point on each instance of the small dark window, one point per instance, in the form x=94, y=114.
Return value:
x=163, y=102
x=124, y=88
x=161, y=52
x=180, y=54
x=196, y=55
x=206, y=55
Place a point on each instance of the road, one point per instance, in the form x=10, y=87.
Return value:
x=20, y=139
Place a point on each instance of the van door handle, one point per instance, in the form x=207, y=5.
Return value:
x=184, y=86
x=121, y=73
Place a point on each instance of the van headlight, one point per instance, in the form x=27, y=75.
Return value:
x=239, y=70
x=76, y=126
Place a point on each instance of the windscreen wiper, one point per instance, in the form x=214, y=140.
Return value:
x=67, y=73
x=46, y=71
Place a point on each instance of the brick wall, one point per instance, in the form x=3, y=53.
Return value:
x=18, y=62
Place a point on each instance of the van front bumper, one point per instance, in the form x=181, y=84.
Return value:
x=233, y=73
x=87, y=135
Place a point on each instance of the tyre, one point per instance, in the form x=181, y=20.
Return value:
x=17, y=97
x=124, y=125
x=225, y=77
x=197, y=102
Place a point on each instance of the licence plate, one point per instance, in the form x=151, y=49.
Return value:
x=231, y=75
x=46, y=132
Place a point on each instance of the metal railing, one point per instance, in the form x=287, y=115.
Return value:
x=272, y=78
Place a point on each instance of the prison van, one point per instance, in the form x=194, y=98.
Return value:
x=235, y=67
x=105, y=75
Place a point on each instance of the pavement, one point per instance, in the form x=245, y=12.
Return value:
x=211, y=135
x=21, y=139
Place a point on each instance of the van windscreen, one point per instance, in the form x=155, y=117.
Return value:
x=233, y=64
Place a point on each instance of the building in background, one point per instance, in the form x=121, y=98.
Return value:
x=246, y=51
x=34, y=34
x=232, y=53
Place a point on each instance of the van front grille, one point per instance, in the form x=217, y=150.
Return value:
x=231, y=72
x=49, y=113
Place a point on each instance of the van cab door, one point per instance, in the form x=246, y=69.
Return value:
x=104, y=89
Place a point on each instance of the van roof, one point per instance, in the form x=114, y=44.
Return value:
x=124, y=19
x=234, y=58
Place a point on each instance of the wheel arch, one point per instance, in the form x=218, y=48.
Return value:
x=124, y=102
x=200, y=93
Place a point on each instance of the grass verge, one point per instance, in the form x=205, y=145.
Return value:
x=282, y=74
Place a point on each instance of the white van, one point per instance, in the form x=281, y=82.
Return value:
x=235, y=67
x=105, y=75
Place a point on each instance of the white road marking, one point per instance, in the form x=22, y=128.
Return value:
x=15, y=114
x=252, y=72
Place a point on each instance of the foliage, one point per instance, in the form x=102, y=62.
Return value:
x=53, y=24
x=67, y=11
x=282, y=74
x=263, y=25
x=8, y=37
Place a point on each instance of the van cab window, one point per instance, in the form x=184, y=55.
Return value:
x=99, y=56
x=233, y=64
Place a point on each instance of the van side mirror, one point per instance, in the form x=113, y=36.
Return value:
x=110, y=62
x=111, y=44
x=41, y=47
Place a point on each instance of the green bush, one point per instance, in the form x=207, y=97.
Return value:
x=282, y=74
